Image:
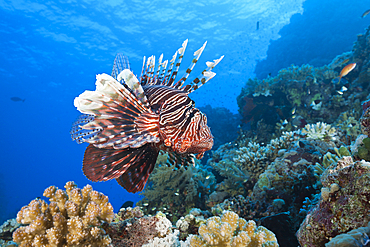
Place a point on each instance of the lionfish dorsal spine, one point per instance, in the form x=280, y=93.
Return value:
x=133, y=83
x=155, y=78
x=191, y=66
x=167, y=76
x=181, y=52
x=204, y=77
x=161, y=75
x=142, y=71
x=150, y=65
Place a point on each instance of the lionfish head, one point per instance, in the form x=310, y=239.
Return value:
x=197, y=137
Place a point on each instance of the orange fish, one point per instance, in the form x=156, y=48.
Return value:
x=365, y=13
x=346, y=70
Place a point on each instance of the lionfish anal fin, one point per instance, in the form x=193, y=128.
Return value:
x=131, y=166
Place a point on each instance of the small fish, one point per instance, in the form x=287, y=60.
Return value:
x=365, y=13
x=258, y=25
x=293, y=111
x=317, y=106
x=17, y=99
x=127, y=120
x=340, y=92
x=285, y=122
x=344, y=61
x=348, y=68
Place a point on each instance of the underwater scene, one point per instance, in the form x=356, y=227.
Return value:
x=185, y=123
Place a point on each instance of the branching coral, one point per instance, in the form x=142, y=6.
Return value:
x=230, y=230
x=319, y=131
x=73, y=218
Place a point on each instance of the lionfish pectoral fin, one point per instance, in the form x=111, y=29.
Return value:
x=130, y=166
x=113, y=115
x=133, y=83
x=120, y=63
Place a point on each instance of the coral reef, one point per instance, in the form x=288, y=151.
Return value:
x=343, y=205
x=74, y=218
x=305, y=94
x=190, y=223
x=177, y=190
x=230, y=230
x=365, y=118
x=357, y=237
x=138, y=231
x=319, y=131
x=128, y=213
x=7, y=228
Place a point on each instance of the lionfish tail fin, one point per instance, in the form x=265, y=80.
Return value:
x=204, y=77
x=191, y=66
x=117, y=113
x=131, y=166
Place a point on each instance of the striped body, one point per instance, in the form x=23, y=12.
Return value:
x=128, y=121
x=182, y=127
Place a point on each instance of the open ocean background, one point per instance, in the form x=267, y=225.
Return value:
x=50, y=52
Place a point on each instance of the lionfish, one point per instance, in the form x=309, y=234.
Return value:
x=127, y=121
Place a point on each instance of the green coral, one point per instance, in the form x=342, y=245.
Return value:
x=230, y=230
x=348, y=124
x=363, y=151
x=330, y=159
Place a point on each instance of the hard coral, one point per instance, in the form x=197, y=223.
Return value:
x=319, y=131
x=357, y=237
x=365, y=118
x=343, y=205
x=139, y=231
x=230, y=230
x=73, y=218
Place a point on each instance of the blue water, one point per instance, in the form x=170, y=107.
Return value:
x=51, y=52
